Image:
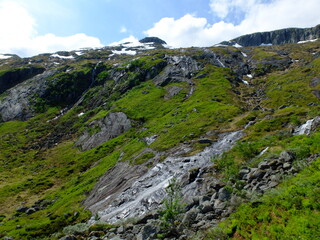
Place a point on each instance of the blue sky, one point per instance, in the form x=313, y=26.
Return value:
x=30, y=27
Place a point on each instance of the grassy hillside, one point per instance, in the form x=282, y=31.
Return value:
x=42, y=170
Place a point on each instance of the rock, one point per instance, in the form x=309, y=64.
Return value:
x=224, y=194
x=96, y=234
x=217, y=185
x=120, y=230
x=152, y=40
x=190, y=217
x=263, y=165
x=256, y=174
x=273, y=184
x=205, y=198
x=172, y=91
x=286, y=156
x=8, y=238
x=30, y=211
x=243, y=172
x=68, y=237
x=148, y=230
x=179, y=69
x=286, y=166
x=193, y=173
x=111, y=126
x=277, y=37
x=206, y=207
x=22, y=209
x=219, y=205
x=205, y=140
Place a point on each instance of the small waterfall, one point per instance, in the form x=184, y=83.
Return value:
x=93, y=78
x=305, y=128
x=93, y=75
x=147, y=192
x=263, y=151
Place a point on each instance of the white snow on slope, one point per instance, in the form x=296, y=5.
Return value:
x=4, y=56
x=311, y=40
x=62, y=57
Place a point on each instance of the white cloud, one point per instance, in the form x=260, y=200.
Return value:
x=190, y=30
x=123, y=29
x=18, y=34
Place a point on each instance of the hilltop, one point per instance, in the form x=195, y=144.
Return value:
x=139, y=141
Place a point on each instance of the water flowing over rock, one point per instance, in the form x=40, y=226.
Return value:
x=307, y=127
x=147, y=192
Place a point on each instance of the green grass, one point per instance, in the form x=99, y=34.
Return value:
x=291, y=211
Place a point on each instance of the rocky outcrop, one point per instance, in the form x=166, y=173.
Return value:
x=179, y=69
x=152, y=40
x=104, y=129
x=12, y=77
x=283, y=36
x=16, y=105
x=146, y=193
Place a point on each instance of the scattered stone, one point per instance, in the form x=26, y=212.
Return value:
x=286, y=156
x=68, y=237
x=205, y=140
x=243, y=172
x=30, y=211
x=206, y=207
x=190, y=217
x=223, y=194
x=219, y=205
x=286, y=166
x=263, y=165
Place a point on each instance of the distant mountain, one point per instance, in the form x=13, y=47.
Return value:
x=277, y=37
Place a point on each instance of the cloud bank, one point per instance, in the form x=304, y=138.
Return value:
x=18, y=34
x=257, y=16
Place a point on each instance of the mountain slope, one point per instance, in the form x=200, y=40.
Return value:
x=91, y=129
x=278, y=37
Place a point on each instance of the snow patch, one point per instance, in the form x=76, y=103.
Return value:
x=237, y=45
x=79, y=53
x=243, y=54
x=125, y=51
x=306, y=41
x=266, y=44
x=62, y=57
x=245, y=82
x=249, y=76
x=80, y=114
x=4, y=56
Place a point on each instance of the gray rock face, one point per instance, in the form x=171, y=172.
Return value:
x=111, y=126
x=288, y=35
x=16, y=105
x=15, y=76
x=179, y=69
x=145, y=193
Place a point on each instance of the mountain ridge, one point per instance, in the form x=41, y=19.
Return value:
x=277, y=37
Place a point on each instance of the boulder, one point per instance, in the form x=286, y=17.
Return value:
x=224, y=194
x=190, y=217
x=104, y=129
x=286, y=156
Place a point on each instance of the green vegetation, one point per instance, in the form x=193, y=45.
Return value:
x=292, y=211
x=40, y=167
x=172, y=206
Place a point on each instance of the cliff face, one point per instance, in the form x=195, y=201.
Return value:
x=91, y=139
x=278, y=37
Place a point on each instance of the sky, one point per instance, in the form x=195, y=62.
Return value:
x=31, y=27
